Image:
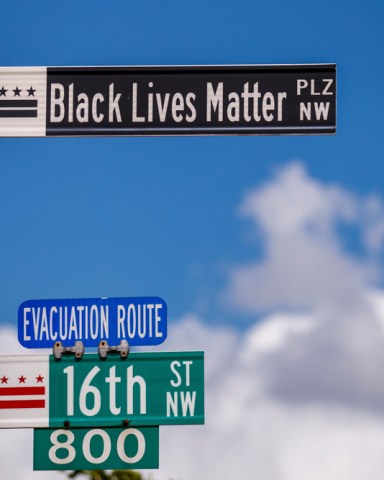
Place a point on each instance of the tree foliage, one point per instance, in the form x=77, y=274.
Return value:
x=104, y=475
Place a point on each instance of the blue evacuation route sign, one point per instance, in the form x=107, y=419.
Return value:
x=142, y=321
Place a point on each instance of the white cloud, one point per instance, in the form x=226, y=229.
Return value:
x=9, y=344
x=293, y=202
x=306, y=268
x=305, y=265
x=274, y=331
x=253, y=431
x=372, y=214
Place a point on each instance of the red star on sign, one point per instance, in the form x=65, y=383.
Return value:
x=39, y=379
x=4, y=379
x=22, y=379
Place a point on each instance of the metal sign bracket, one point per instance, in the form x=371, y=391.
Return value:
x=77, y=350
x=123, y=348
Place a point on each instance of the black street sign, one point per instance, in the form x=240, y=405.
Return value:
x=170, y=100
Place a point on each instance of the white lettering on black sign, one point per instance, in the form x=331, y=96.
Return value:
x=191, y=100
x=203, y=100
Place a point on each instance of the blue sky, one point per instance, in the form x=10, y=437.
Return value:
x=196, y=220
x=157, y=216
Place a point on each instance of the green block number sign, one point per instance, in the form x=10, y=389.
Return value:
x=93, y=449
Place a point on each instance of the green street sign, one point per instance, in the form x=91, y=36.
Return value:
x=94, y=449
x=157, y=388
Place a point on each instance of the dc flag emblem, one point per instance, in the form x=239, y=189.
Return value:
x=24, y=391
x=17, y=106
x=23, y=101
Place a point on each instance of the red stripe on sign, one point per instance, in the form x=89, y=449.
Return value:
x=22, y=391
x=22, y=404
